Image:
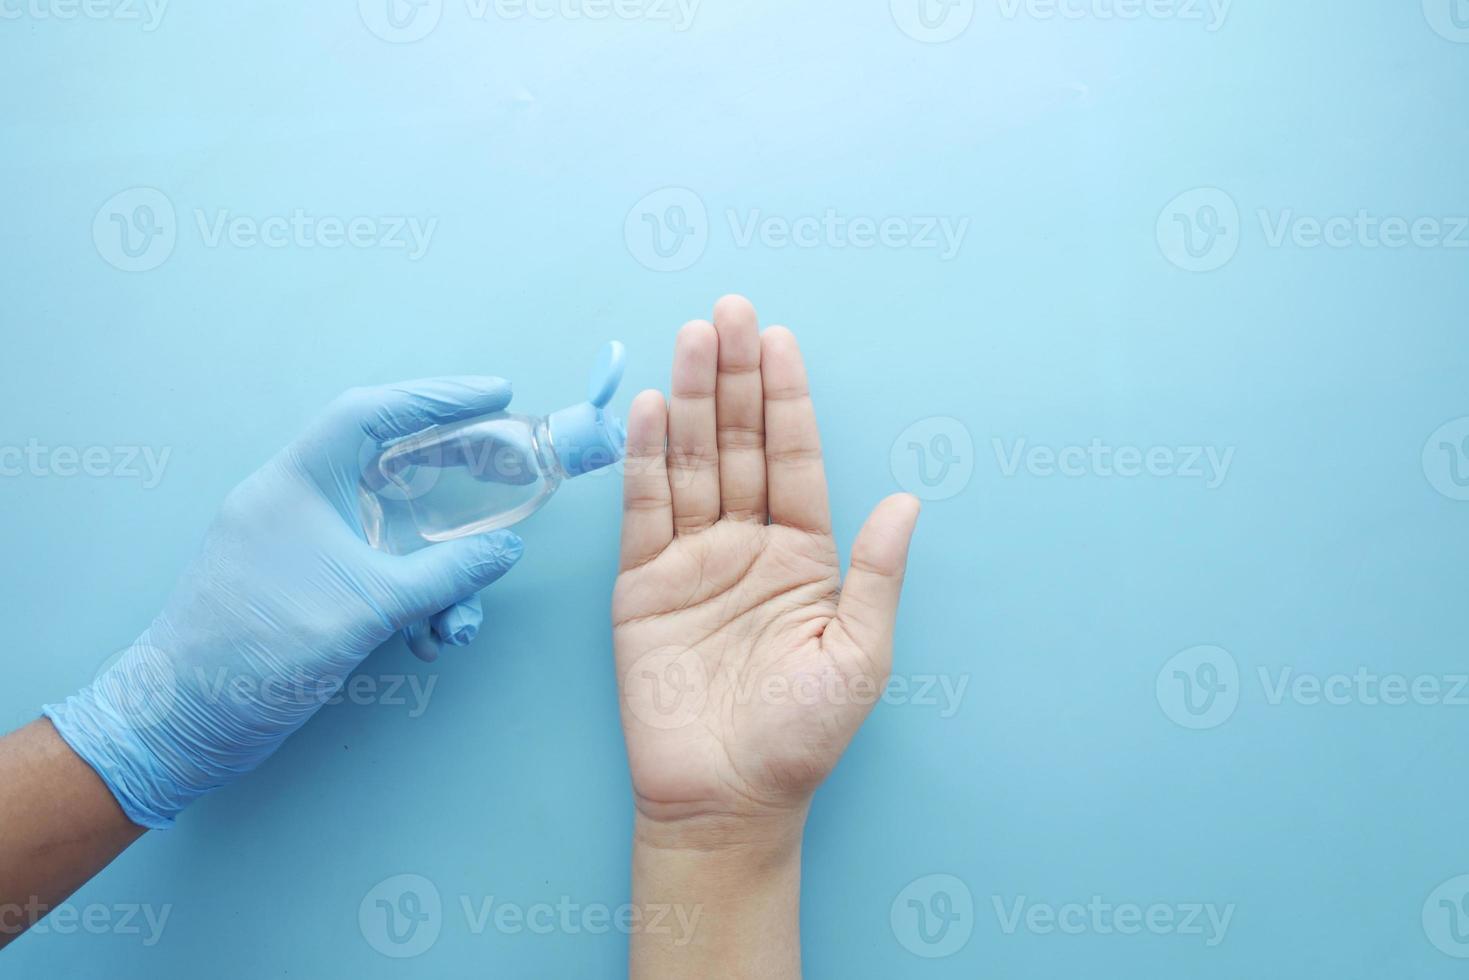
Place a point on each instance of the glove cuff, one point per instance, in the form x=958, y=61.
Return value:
x=114, y=725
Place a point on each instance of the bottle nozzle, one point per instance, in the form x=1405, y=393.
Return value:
x=586, y=437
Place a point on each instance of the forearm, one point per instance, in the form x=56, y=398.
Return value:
x=733, y=899
x=60, y=825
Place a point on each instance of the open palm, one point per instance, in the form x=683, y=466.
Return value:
x=746, y=664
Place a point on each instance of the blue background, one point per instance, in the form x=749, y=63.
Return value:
x=1057, y=600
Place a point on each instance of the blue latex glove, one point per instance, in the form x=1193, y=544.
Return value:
x=284, y=601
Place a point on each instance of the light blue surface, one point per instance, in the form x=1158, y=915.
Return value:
x=535, y=157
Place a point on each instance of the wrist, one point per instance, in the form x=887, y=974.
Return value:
x=122, y=726
x=757, y=840
x=728, y=879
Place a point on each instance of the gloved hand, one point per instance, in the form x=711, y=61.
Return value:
x=284, y=601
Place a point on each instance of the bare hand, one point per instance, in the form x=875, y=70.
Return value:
x=746, y=663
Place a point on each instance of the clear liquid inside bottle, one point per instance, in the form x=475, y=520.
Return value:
x=451, y=481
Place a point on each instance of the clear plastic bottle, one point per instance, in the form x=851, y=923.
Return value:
x=483, y=474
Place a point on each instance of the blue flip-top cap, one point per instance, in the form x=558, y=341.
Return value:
x=587, y=437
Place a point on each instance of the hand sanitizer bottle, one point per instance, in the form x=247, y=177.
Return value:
x=483, y=474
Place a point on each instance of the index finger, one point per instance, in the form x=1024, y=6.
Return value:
x=795, y=476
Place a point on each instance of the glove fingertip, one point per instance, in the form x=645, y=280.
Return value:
x=499, y=551
x=421, y=642
x=459, y=624
x=481, y=390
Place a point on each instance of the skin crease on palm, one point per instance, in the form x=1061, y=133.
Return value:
x=746, y=663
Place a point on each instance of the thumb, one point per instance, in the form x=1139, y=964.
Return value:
x=393, y=411
x=868, y=607
x=381, y=415
x=441, y=575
